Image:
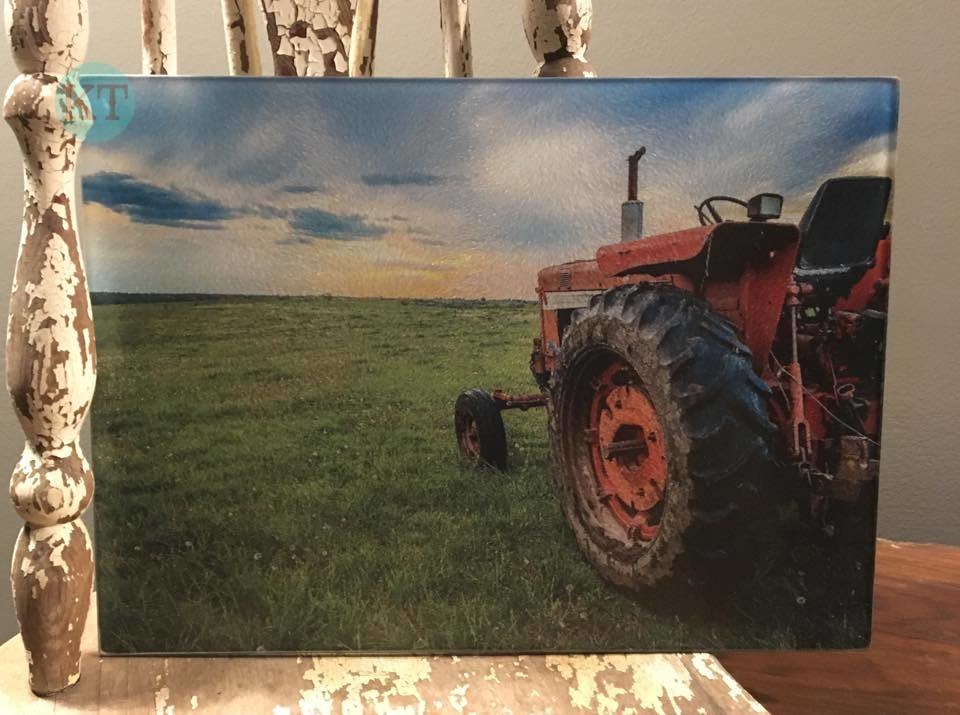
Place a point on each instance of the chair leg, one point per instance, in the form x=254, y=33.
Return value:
x=51, y=353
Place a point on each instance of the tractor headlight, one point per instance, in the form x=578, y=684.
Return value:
x=764, y=207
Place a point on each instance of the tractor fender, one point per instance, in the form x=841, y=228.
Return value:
x=645, y=253
x=743, y=269
x=736, y=244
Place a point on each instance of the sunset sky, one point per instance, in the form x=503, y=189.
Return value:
x=404, y=188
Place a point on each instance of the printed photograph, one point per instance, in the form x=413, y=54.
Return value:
x=426, y=366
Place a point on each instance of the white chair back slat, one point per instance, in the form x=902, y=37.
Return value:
x=455, y=28
x=240, y=20
x=159, y=32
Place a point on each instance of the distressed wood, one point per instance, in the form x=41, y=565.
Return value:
x=159, y=32
x=910, y=667
x=363, y=40
x=240, y=26
x=51, y=355
x=310, y=685
x=455, y=28
x=558, y=32
x=310, y=38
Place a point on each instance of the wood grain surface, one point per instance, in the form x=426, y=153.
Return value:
x=693, y=683
x=912, y=665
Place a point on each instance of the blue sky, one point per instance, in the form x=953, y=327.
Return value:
x=441, y=188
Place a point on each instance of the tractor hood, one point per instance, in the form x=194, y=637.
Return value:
x=730, y=241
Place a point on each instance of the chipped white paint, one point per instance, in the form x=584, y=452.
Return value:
x=51, y=354
x=47, y=37
x=42, y=492
x=384, y=685
x=350, y=686
x=363, y=38
x=159, y=30
x=654, y=683
x=240, y=26
x=558, y=32
x=160, y=698
x=708, y=667
x=310, y=38
x=458, y=697
x=455, y=28
x=51, y=330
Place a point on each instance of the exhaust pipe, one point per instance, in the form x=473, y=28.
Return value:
x=631, y=215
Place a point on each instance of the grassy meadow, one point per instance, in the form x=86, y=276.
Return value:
x=281, y=474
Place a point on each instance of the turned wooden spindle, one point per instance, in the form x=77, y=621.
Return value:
x=310, y=38
x=240, y=26
x=363, y=39
x=455, y=28
x=558, y=32
x=51, y=355
x=159, y=28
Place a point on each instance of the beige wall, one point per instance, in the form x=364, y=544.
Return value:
x=916, y=40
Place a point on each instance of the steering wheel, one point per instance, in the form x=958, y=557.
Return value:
x=706, y=207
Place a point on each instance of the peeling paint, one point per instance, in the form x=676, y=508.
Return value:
x=363, y=39
x=709, y=668
x=47, y=37
x=455, y=28
x=458, y=698
x=240, y=25
x=160, y=698
x=159, y=30
x=558, y=32
x=51, y=351
x=45, y=491
x=310, y=38
x=360, y=684
x=654, y=683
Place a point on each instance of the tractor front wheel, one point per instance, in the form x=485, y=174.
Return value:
x=481, y=437
x=660, y=437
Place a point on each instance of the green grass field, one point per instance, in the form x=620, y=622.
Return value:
x=281, y=474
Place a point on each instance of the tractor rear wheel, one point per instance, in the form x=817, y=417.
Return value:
x=660, y=437
x=481, y=437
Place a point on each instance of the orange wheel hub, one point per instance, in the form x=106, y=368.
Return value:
x=628, y=451
x=470, y=438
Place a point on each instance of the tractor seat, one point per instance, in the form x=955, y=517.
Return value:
x=839, y=233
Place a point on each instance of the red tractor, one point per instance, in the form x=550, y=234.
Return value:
x=688, y=375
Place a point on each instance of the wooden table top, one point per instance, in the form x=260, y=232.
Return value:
x=670, y=683
x=912, y=665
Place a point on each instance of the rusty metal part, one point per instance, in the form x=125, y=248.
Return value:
x=538, y=365
x=633, y=164
x=800, y=431
x=856, y=466
x=507, y=401
x=470, y=438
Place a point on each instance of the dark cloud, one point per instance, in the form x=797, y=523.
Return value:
x=316, y=224
x=304, y=189
x=149, y=203
x=410, y=178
